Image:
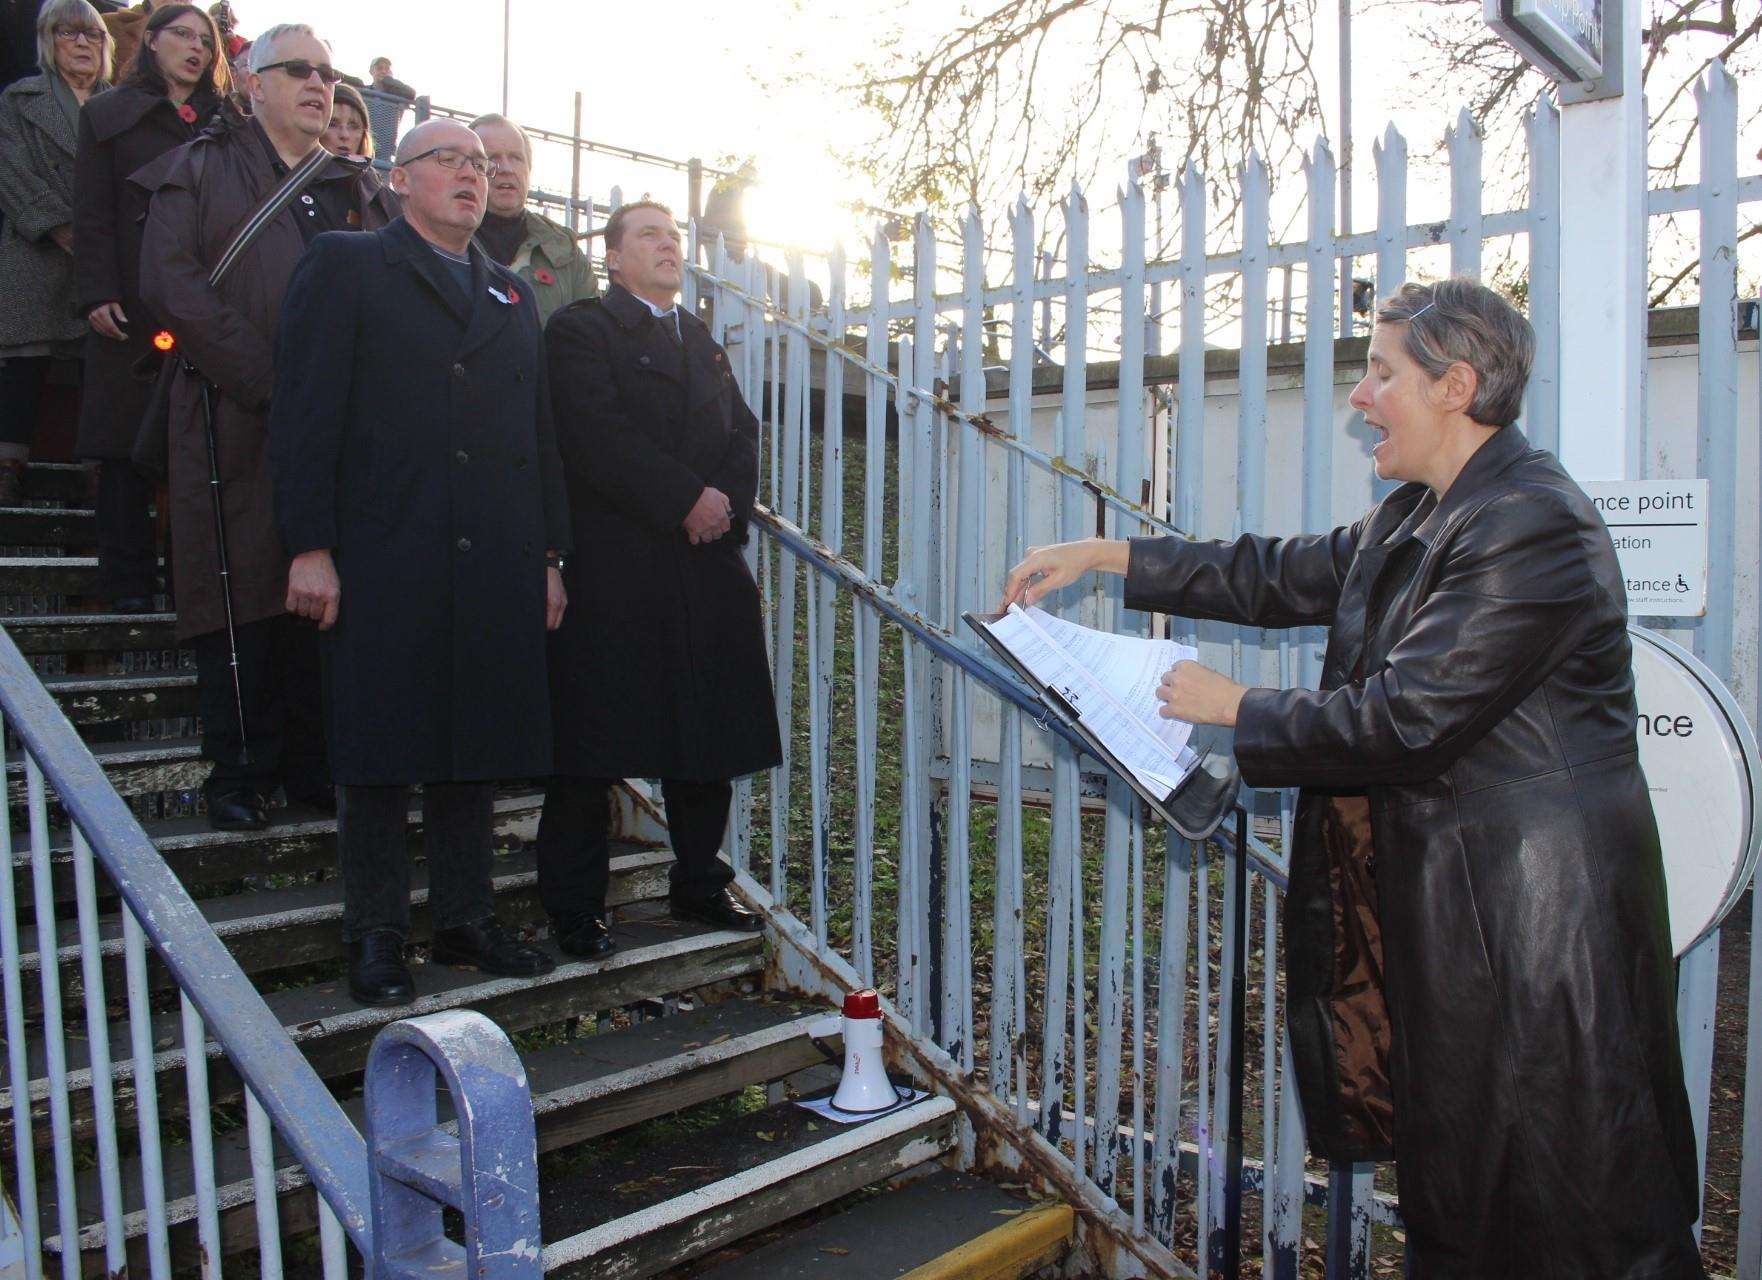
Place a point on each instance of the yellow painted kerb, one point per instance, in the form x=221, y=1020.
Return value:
x=1025, y=1243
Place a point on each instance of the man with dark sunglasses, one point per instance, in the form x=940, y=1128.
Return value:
x=202, y=194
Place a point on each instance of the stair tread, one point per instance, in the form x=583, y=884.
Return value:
x=257, y=911
x=313, y=1013
x=557, y=1075
x=110, y=755
x=80, y=618
x=619, y=1200
x=884, y=1236
x=84, y=683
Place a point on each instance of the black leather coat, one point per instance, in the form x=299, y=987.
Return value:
x=1478, y=962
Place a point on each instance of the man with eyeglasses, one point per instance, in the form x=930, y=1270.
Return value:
x=418, y=489
x=202, y=194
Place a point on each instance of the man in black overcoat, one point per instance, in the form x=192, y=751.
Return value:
x=419, y=493
x=659, y=671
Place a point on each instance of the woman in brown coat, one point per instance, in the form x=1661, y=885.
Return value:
x=1478, y=970
x=175, y=86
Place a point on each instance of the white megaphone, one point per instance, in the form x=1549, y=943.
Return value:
x=865, y=1087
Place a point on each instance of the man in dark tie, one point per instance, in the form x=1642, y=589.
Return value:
x=659, y=670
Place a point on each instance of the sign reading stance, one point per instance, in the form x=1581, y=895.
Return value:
x=1659, y=528
x=1563, y=39
x=1701, y=767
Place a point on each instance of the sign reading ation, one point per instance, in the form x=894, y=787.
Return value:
x=1659, y=528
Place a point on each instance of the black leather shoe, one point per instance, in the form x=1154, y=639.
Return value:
x=240, y=810
x=585, y=937
x=719, y=909
x=132, y=604
x=491, y=947
x=377, y=972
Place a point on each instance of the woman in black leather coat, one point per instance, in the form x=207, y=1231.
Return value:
x=1478, y=964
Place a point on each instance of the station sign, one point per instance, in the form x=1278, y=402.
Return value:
x=1563, y=39
x=1659, y=528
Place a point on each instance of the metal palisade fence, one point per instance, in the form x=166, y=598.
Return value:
x=1104, y=998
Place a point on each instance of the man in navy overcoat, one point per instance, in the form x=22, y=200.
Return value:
x=419, y=492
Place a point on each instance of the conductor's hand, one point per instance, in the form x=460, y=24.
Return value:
x=710, y=518
x=108, y=320
x=1199, y=695
x=556, y=599
x=313, y=589
x=1046, y=569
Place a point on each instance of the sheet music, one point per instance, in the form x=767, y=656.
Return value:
x=1110, y=681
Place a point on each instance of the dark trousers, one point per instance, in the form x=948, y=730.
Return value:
x=574, y=854
x=21, y=396
x=373, y=845
x=126, y=541
x=283, y=701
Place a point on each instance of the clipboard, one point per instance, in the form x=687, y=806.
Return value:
x=1198, y=804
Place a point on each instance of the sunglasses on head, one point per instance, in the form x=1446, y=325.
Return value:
x=300, y=69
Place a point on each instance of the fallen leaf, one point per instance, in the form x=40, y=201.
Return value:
x=835, y=1249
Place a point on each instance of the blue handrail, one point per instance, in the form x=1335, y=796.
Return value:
x=309, y=1120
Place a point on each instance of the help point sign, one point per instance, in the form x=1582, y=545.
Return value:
x=1659, y=528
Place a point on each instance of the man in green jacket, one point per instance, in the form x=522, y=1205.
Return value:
x=539, y=251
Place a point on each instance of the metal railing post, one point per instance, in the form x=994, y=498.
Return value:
x=488, y=1171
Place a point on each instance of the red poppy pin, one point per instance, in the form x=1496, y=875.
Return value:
x=186, y=113
x=354, y=217
x=513, y=294
x=543, y=276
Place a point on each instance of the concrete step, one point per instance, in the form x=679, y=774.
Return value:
x=104, y=699
x=134, y=768
x=49, y=576
x=296, y=841
x=658, y=957
x=69, y=483
x=48, y=527
x=271, y=930
x=581, y=1090
x=669, y=1204
x=944, y=1226
x=70, y=633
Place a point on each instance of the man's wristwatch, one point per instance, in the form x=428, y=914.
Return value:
x=554, y=561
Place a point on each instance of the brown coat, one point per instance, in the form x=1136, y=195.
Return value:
x=127, y=26
x=202, y=194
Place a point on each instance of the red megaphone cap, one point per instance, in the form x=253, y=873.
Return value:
x=862, y=1004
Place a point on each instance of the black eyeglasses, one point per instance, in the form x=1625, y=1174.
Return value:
x=453, y=158
x=74, y=35
x=300, y=69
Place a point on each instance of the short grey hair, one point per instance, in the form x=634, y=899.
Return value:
x=263, y=47
x=496, y=117
x=71, y=13
x=1460, y=321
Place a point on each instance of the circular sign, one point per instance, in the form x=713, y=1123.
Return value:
x=1701, y=766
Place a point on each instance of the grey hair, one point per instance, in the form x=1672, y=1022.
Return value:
x=263, y=47
x=57, y=12
x=1460, y=321
x=496, y=117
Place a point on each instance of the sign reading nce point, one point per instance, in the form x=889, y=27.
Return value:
x=1563, y=39
x=1659, y=528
